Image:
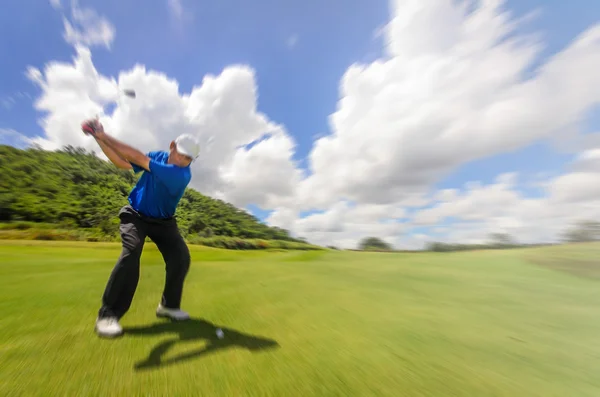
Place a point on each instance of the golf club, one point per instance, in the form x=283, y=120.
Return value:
x=129, y=93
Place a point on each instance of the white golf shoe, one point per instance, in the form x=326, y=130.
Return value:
x=173, y=314
x=108, y=327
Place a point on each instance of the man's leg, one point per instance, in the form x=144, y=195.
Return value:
x=124, y=278
x=177, y=259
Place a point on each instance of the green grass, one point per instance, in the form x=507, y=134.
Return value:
x=489, y=323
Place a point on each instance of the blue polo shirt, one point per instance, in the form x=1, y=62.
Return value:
x=157, y=193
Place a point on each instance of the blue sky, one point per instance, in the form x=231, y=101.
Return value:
x=298, y=85
x=298, y=49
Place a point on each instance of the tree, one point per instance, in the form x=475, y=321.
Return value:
x=75, y=187
x=196, y=225
x=207, y=232
x=374, y=243
x=502, y=240
x=583, y=231
x=435, y=246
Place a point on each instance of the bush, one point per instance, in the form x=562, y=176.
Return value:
x=46, y=235
x=235, y=243
x=62, y=235
x=49, y=232
x=24, y=225
x=374, y=244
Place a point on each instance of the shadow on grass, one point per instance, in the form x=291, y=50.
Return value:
x=194, y=330
x=588, y=269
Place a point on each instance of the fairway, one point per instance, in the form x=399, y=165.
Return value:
x=489, y=323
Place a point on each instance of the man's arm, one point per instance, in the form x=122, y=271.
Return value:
x=123, y=150
x=172, y=176
x=114, y=157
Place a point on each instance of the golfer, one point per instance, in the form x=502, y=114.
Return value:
x=150, y=213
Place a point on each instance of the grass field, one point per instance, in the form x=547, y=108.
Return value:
x=490, y=323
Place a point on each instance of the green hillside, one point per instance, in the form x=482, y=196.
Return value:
x=72, y=189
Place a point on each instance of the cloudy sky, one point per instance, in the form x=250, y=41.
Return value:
x=410, y=120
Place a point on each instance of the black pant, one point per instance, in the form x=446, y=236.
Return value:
x=124, y=278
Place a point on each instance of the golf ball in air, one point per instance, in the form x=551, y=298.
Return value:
x=219, y=333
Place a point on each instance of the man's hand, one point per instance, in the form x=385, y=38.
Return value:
x=95, y=128
x=126, y=152
x=92, y=127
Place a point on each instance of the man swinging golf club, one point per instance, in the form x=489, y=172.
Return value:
x=150, y=213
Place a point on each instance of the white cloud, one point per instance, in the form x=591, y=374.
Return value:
x=500, y=207
x=467, y=215
x=447, y=195
x=453, y=87
x=588, y=160
x=450, y=90
x=222, y=107
x=55, y=4
x=87, y=27
x=576, y=187
x=477, y=203
x=264, y=174
x=176, y=8
x=344, y=224
x=283, y=217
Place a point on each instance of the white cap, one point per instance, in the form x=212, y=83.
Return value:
x=187, y=145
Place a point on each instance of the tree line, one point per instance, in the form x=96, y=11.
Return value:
x=580, y=232
x=74, y=189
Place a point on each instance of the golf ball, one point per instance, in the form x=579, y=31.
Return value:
x=219, y=333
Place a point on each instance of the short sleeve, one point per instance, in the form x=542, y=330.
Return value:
x=174, y=177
